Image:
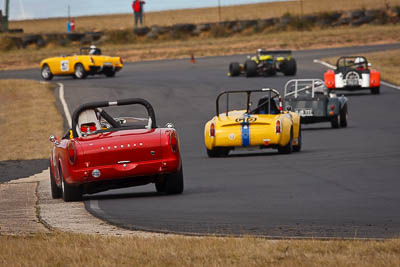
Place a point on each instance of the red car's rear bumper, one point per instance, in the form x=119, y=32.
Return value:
x=123, y=170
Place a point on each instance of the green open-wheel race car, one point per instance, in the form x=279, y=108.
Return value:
x=265, y=63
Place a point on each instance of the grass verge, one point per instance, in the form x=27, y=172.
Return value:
x=28, y=116
x=247, y=42
x=61, y=249
x=387, y=62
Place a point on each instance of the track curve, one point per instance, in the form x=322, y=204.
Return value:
x=344, y=183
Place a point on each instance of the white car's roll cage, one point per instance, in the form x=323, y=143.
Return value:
x=295, y=86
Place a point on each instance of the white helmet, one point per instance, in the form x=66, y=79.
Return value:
x=92, y=50
x=359, y=60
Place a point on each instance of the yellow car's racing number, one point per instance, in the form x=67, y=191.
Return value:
x=64, y=65
x=246, y=119
x=245, y=128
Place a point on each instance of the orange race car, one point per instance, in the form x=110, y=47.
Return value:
x=353, y=73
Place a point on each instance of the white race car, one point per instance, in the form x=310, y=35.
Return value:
x=353, y=73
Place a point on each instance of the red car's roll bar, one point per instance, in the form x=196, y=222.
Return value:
x=101, y=104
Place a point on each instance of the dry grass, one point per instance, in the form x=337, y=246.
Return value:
x=61, y=249
x=247, y=42
x=28, y=115
x=206, y=44
x=387, y=62
x=201, y=15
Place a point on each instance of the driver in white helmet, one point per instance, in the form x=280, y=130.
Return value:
x=359, y=62
x=94, y=50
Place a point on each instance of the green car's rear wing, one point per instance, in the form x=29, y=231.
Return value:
x=283, y=53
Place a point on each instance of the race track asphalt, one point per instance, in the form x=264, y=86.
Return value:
x=344, y=183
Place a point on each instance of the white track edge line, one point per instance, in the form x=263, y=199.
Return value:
x=64, y=104
x=391, y=85
x=333, y=67
x=326, y=64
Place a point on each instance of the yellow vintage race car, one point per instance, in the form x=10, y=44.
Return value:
x=88, y=62
x=265, y=125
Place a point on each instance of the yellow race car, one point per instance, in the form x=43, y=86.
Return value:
x=89, y=62
x=265, y=125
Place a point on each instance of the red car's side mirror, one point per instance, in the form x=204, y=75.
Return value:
x=54, y=139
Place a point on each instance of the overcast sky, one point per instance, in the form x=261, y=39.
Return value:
x=28, y=9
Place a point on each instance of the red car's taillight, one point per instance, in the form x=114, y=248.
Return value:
x=71, y=150
x=173, y=141
x=212, y=130
x=278, y=126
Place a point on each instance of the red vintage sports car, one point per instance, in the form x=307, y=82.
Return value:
x=103, y=152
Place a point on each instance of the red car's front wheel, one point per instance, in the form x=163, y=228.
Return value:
x=55, y=190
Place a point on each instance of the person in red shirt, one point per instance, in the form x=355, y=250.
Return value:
x=137, y=7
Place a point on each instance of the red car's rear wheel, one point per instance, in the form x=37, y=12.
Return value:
x=174, y=182
x=69, y=192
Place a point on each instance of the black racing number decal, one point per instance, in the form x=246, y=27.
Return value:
x=250, y=119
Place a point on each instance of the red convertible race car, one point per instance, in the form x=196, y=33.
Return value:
x=103, y=152
x=353, y=73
